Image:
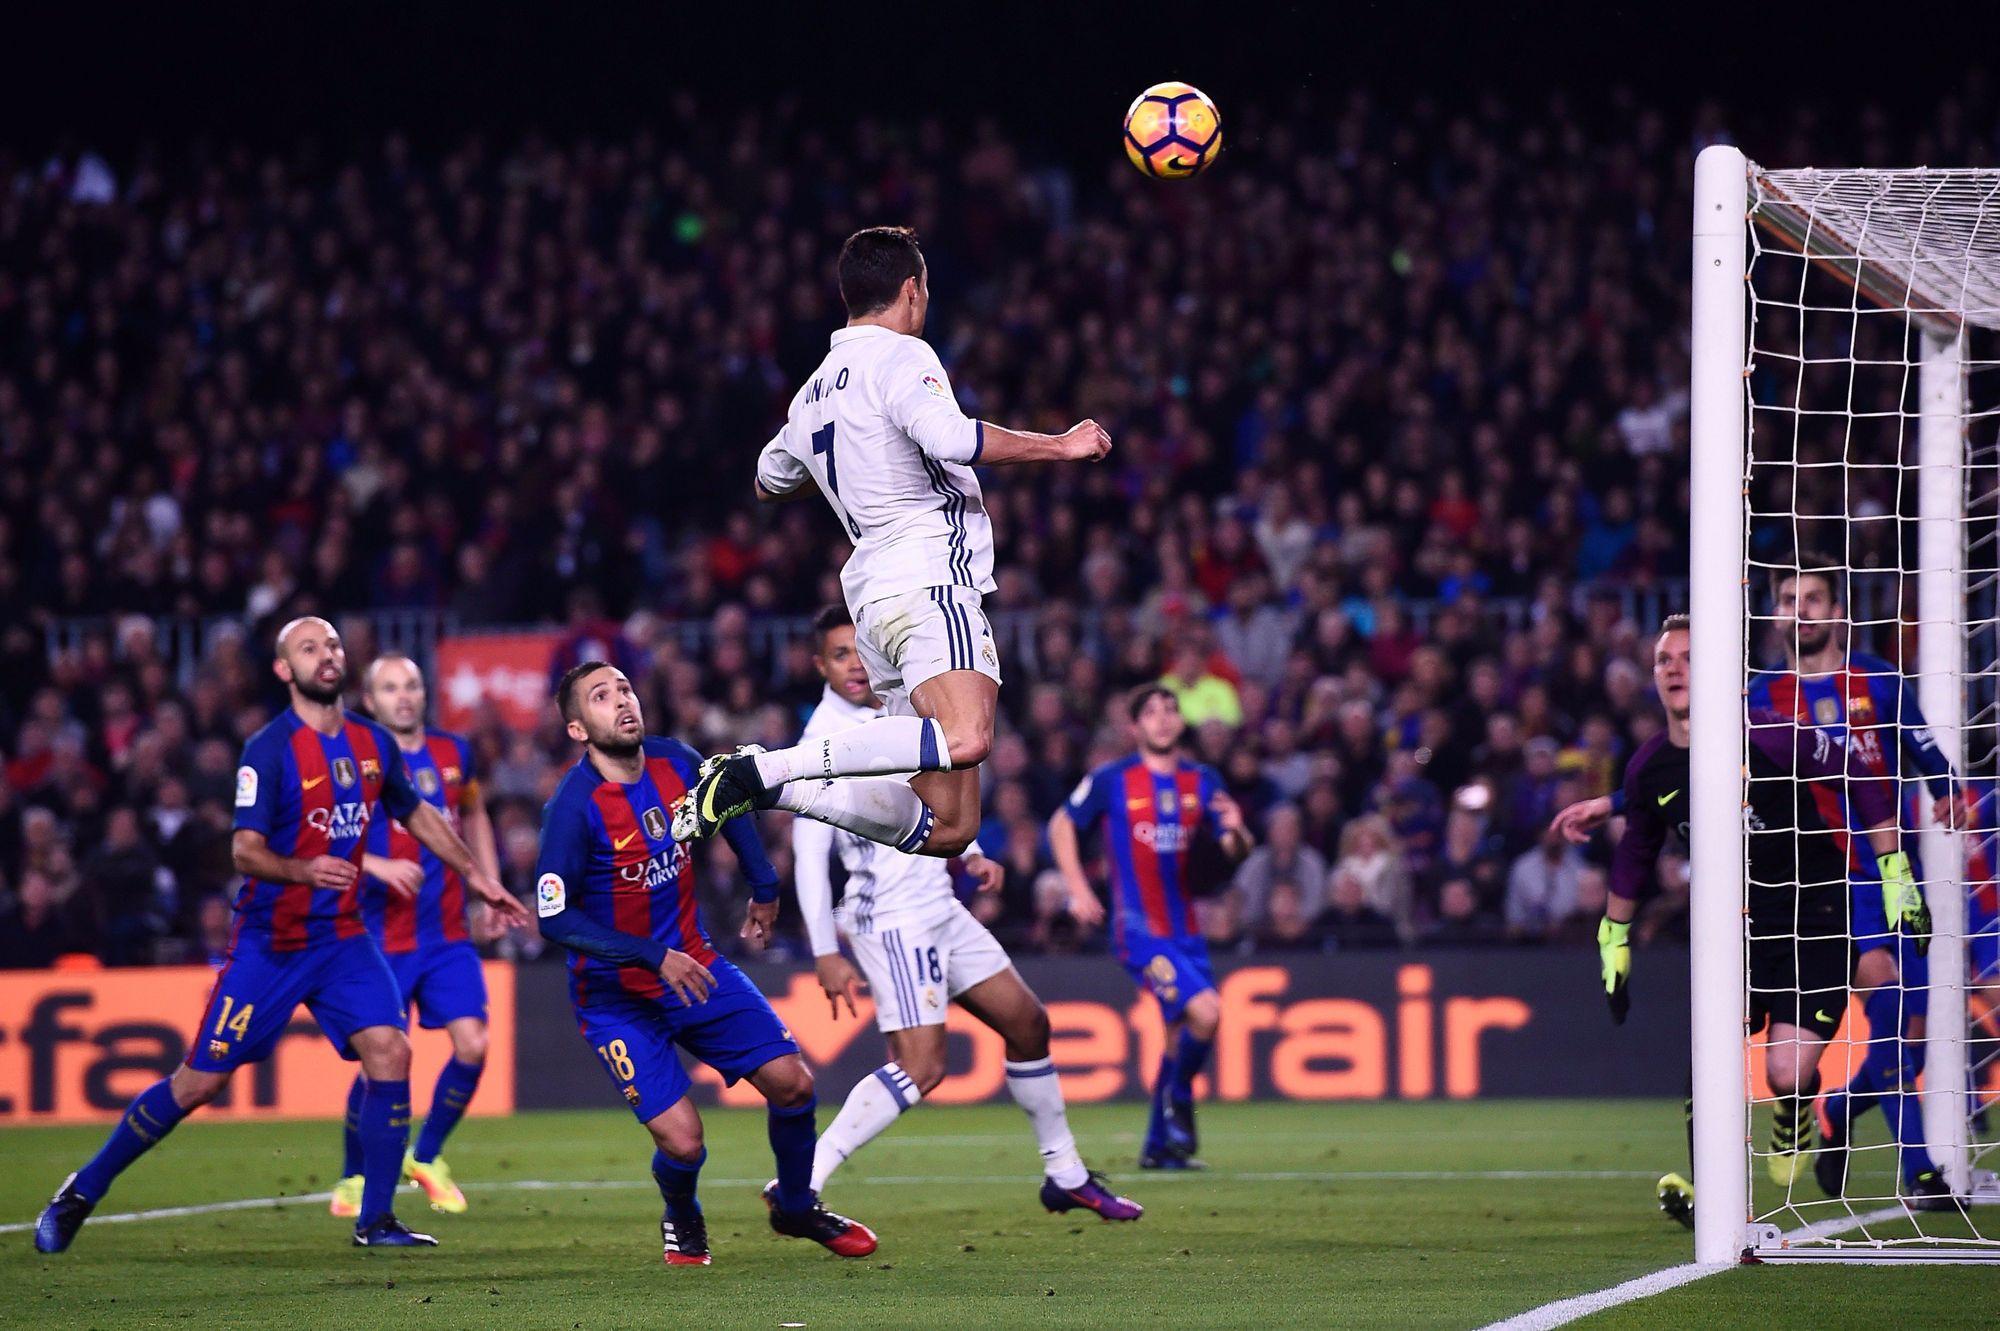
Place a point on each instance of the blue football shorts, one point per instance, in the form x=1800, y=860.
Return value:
x=346, y=985
x=638, y=1039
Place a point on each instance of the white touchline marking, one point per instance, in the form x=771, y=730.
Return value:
x=1564, y=1311
x=1012, y=1180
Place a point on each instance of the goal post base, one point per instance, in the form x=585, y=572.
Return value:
x=1764, y=1244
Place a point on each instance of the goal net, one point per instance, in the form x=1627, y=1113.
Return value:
x=1844, y=476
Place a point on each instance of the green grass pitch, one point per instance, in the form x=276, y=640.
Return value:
x=1352, y=1215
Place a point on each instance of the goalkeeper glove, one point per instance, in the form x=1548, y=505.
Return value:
x=1903, y=901
x=1614, y=946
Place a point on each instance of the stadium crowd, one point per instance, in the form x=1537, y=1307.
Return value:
x=1400, y=448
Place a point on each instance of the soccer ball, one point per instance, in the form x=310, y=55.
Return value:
x=1172, y=131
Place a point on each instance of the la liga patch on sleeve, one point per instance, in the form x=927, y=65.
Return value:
x=246, y=786
x=551, y=898
x=935, y=386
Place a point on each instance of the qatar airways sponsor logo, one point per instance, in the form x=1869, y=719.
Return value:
x=1164, y=838
x=341, y=822
x=659, y=870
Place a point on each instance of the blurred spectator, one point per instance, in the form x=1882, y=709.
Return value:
x=1350, y=924
x=1286, y=926
x=35, y=929
x=1371, y=859
x=1543, y=887
x=1461, y=921
x=1204, y=696
x=1281, y=857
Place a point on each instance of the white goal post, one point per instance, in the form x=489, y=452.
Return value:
x=1788, y=267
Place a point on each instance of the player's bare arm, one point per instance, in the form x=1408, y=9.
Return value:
x=841, y=980
x=251, y=855
x=1237, y=841
x=1577, y=821
x=1083, y=902
x=404, y=877
x=757, y=922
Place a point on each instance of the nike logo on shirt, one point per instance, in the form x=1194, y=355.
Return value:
x=1669, y=795
x=309, y=782
x=621, y=842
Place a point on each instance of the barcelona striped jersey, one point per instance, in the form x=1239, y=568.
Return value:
x=313, y=794
x=442, y=771
x=1149, y=823
x=607, y=850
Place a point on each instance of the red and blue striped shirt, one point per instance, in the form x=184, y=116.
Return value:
x=442, y=771
x=609, y=853
x=1149, y=824
x=310, y=795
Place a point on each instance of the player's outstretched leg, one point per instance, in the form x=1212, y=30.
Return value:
x=1677, y=1199
x=456, y=1083
x=795, y=1209
x=752, y=778
x=153, y=1113
x=385, y=1135
x=1792, y=1133
x=678, y=1155
x=1004, y=1003
x=683, y=1230
x=876, y=1101
x=346, y=1201
x=1190, y=1057
x=1158, y=1151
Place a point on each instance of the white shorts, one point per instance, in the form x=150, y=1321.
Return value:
x=908, y=640
x=915, y=970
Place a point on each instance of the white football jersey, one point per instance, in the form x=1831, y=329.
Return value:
x=885, y=887
x=877, y=428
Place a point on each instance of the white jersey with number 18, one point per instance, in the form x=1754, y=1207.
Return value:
x=877, y=428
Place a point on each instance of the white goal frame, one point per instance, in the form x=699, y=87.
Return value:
x=1727, y=185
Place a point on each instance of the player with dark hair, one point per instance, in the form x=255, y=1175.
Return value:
x=416, y=909
x=615, y=888
x=1152, y=803
x=1796, y=887
x=879, y=431
x=1864, y=701
x=305, y=798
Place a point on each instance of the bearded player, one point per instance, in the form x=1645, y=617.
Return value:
x=305, y=797
x=416, y=909
x=921, y=950
x=1863, y=700
x=615, y=888
x=1797, y=889
x=1151, y=804
x=878, y=430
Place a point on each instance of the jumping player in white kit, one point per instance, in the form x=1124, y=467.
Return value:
x=921, y=950
x=878, y=430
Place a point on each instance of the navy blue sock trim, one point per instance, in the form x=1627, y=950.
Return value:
x=908, y=845
x=927, y=748
x=900, y=1087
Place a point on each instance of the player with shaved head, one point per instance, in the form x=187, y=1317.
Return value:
x=310, y=785
x=416, y=908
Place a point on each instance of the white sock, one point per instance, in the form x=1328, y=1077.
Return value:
x=880, y=809
x=875, y=1102
x=881, y=747
x=1038, y=1091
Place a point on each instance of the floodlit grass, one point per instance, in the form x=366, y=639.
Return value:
x=1353, y=1215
